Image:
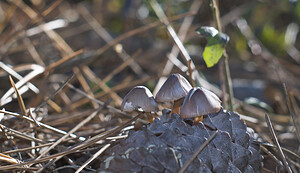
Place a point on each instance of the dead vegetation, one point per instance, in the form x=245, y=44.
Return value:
x=66, y=65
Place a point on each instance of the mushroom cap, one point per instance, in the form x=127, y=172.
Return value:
x=139, y=97
x=174, y=88
x=199, y=101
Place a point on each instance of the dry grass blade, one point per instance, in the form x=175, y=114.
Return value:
x=42, y=124
x=9, y=13
x=277, y=144
x=67, y=117
x=82, y=123
x=50, y=33
x=183, y=30
x=122, y=66
x=31, y=115
x=47, y=11
x=84, y=84
x=21, y=135
x=19, y=97
x=163, y=18
x=186, y=165
x=294, y=163
x=87, y=143
x=183, y=52
x=107, y=38
x=28, y=148
x=3, y=131
x=63, y=60
x=8, y=159
x=17, y=76
x=106, y=134
x=32, y=50
x=190, y=73
x=119, y=87
x=272, y=156
x=291, y=111
x=54, y=94
x=93, y=77
x=93, y=157
x=37, y=69
x=8, y=40
x=137, y=31
x=102, y=104
x=55, y=106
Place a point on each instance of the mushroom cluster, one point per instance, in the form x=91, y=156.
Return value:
x=169, y=142
x=186, y=101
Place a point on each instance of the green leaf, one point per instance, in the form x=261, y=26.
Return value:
x=215, y=46
x=212, y=54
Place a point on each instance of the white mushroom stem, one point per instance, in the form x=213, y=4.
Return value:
x=197, y=119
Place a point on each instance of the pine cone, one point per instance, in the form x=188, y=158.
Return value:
x=166, y=144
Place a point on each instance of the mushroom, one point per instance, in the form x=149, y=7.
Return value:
x=140, y=99
x=174, y=90
x=198, y=102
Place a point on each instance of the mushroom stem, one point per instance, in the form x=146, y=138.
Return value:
x=176, y=106
x=197, y=119
x=149, y=117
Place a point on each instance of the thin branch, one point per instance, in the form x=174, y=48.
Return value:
x=93, y=157
x=277, y=143
x=41, y=124
x=52, y=95
x=228, y=81
x=291, y=111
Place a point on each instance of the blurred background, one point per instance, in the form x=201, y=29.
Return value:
x=112, y=45
x=263, y=48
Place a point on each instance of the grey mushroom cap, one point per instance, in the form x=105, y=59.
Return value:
x=200, y=101
x=139, y=97
x=175, y=88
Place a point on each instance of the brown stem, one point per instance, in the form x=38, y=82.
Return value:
x=176, y=106
x=197, y=119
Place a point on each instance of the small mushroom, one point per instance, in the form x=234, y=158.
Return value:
x=140, y=99
x=174, y=90
x=198, y=102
